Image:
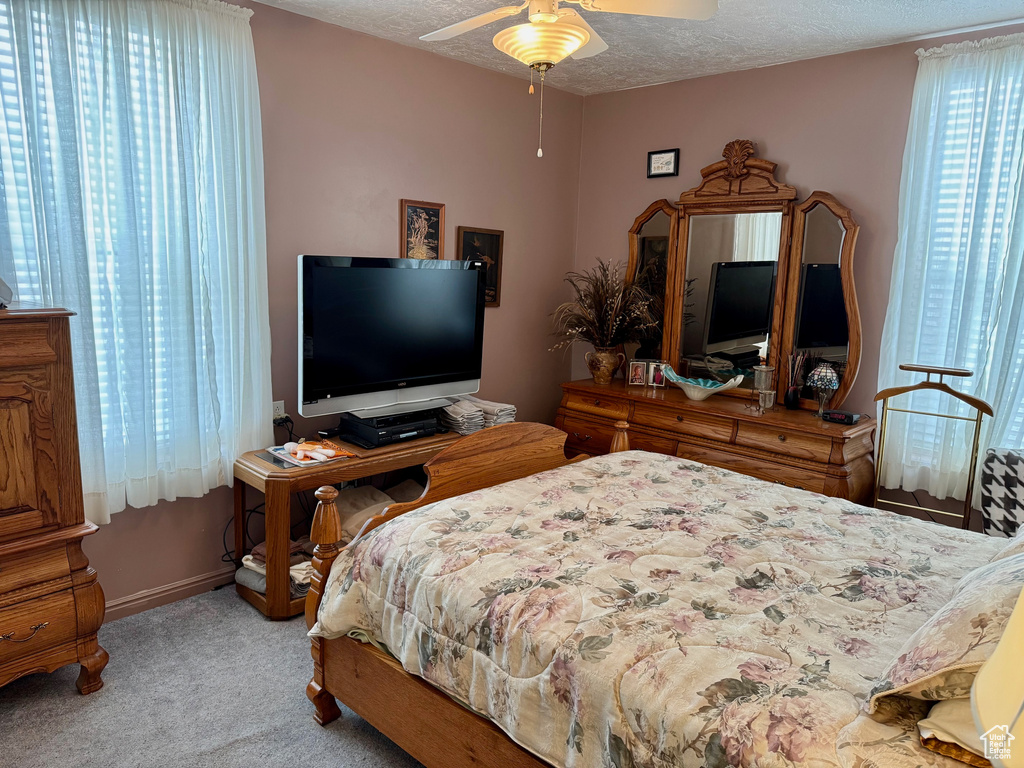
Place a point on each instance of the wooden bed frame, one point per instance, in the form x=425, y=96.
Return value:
x=419, y=718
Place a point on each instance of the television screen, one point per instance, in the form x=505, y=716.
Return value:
x=822, y=320
x=740, y=302
x=373, y=325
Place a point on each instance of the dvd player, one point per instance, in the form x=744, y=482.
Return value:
x=375, y=431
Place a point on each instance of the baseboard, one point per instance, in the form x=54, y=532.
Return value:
x=169, y=593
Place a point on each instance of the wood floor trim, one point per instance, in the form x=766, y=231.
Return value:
x=168, y=593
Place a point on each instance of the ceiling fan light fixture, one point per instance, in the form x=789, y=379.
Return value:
x=535, y=44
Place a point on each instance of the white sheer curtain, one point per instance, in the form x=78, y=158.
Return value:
x=756, y=236
x=957, y=295
x=131, y=191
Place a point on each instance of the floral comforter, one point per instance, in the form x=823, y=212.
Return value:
x=642, y=610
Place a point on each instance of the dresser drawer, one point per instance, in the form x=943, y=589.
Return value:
x=597, y=405
x=34, y=567
x=683, y=423
x=34, y=625
x=759, y=468
x=797, y=444
x=594, y=437
x=587, y=436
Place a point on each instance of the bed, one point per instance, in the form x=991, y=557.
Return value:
x=633, y=609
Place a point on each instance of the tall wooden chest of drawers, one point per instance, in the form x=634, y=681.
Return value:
x=51, y=604
x=791, y=447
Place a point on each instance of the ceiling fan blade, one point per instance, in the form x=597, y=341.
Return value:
x=476, y=22
x=670, y=9
x=594, y=46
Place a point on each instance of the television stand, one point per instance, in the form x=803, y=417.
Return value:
x=378, y=431
x=279, y=482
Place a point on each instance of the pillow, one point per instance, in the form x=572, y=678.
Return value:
x=357, y=505
x=939, y=661
x=949, y=730
x=407, y=490
x=1014, y=547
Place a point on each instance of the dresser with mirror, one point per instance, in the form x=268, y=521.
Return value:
x=742, y=274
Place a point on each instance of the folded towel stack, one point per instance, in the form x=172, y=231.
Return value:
x=494, y=413
x=462, y=417
x=470, y=414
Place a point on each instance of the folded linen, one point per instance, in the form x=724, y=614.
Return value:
x=259, y=552
x=300, y=571
x=471, y=414
x=257, y=583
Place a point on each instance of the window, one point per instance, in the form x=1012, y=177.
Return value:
x=957, y=296
x=131, y=191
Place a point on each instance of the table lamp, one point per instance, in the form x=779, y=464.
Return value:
x=997, y=696
x=824, y=381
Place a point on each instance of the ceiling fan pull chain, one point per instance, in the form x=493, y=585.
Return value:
x=531, y=81
x=540, y=137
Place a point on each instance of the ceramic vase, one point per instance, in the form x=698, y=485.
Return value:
x=603, y=362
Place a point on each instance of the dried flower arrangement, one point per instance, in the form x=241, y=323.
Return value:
x=606, y=310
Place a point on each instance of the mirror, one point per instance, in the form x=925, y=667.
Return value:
x=825, y=323
x=651, y=239
x=735, y=290
x=729, y=293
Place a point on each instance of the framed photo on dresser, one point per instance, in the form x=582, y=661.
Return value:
x=477, y=244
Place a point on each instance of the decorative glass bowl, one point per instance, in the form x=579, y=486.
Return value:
x=700, y=389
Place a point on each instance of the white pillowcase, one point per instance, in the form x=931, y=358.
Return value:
x=951, y=721
x=1014, y=547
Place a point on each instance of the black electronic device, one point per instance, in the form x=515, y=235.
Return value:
x=741, y=298
x=822, y=326
x=841, y=417
x=376, y=431
x=384, y=336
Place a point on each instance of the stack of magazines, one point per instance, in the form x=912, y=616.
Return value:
x=470, y=414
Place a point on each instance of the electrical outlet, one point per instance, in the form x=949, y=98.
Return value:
x=279, y=409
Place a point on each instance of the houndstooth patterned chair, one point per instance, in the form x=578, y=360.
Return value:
x=1002, y=492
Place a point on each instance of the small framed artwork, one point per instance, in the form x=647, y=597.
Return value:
x=422, y=230
x=477, y=244
x=663, y=162
x=637, y=373
x=655, y=375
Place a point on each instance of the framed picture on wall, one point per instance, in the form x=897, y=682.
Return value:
x=663, y=162
x=422, y=230
x=477, y=244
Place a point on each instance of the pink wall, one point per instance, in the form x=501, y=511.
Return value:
x=352, y=124
x=836, y=124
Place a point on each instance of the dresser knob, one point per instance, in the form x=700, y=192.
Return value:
x=597, y=402
x=679, y=418
x=782, y=438
x=581, y=438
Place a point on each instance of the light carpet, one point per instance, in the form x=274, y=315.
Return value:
x=207, y=681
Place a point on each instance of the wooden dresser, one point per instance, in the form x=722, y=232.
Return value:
x=51, y=604
x=791, y=447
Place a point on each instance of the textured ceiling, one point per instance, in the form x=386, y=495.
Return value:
x=644, y=50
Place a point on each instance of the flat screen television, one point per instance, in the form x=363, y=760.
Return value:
x=740, y=301
x=385, y=336
x=821, y=325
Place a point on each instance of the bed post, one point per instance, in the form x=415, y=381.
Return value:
x=326, y=533
x=620, y=440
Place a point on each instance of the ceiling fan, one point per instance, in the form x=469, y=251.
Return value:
x=552, y=34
